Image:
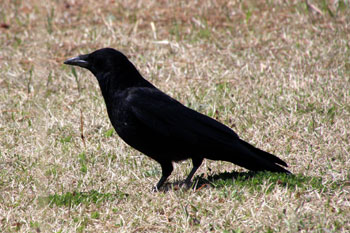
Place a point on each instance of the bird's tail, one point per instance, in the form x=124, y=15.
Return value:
x=264, y=154
x=251, y=158
x=271, y=162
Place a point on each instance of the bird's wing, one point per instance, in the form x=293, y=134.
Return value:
x=170, y=118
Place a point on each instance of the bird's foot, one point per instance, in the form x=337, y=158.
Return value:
x=188, y=184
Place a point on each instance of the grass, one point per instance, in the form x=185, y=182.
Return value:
x=277, y=72
x=256, y=182
x=72, y=199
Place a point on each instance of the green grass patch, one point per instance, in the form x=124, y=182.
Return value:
x=66, y=139
x=109, y=133
x=76, y=198
x=268, y=181
x=83, y=162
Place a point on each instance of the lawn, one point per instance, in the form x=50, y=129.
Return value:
x=276, y=72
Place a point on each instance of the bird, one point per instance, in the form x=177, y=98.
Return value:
x=161, y=127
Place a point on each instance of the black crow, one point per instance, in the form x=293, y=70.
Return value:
x=161, y=127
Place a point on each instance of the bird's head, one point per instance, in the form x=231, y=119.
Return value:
x=100, y=62
x=111, y=68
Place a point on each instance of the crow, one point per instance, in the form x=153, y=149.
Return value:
x=161, y=127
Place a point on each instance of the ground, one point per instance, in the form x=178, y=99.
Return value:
x=276, y=72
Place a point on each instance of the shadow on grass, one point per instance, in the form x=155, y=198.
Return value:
x=258, y=181
x=70, y=199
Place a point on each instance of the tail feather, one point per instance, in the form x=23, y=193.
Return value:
x=260, y=160
x=245, y=155
x=264, y=154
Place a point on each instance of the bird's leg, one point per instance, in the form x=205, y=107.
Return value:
x=196, y=164
x=167, y=168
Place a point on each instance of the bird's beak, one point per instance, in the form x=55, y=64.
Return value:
x=80, y=60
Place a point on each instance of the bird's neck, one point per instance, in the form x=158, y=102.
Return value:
x=112, y=84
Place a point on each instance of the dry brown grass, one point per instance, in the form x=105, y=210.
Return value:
x=277, y=72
